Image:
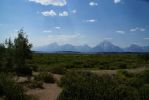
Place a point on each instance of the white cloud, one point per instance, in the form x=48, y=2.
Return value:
x=74, y=11
x=50, y=2
x=64, y=13
x=49, y=13
x=53, y=13
x=47, y=31
x=117, y=1
x=120, y=32
x=137, y=29
x=134, y=29
x=57, y=27
x=142, y=29
x=93, y=3
x=90, y=21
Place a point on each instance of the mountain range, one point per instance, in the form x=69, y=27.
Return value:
x=104, y=46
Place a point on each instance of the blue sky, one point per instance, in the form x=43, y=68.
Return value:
x=77, y=22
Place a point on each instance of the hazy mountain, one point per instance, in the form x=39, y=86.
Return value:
x=146, y=48
x=104, y=46
x=67, y=47
x=83, y=48
x=48, y=48
x=134, y=48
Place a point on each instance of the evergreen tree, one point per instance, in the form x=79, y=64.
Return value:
x=9, y=56
x=22, y=49
x=2, y=52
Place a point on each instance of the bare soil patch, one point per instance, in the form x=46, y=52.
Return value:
x=49, y=91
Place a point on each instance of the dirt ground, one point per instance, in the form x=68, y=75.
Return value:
x=112, y=72
x=50, y=91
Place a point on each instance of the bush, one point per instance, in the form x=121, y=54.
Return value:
x=33, y=67
x=10, y=89
x=45, y=77
x=36, y=84
x=24, y=71
x=85, y=86
x=122, y=66
x=144, y=92
x=58, y=70
x=124, y=73
x=88, y=86
x=123, y=92
x=144, y=76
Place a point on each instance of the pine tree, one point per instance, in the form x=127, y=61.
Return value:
x=2, y=52
x=22, y=49
x=9, y=55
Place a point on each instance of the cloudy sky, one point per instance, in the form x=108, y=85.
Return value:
x=77, y=22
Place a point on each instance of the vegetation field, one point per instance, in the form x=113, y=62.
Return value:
x=89, y=61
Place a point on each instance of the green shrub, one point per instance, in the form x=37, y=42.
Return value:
x=36, y=84
x=85, y=86
x=124, y=73
x=58, y=70
x=45, y=77
x=122, y=66
x=144, y=92
x=24, y=71
x=135, y=82
x=144, y=76
x=89, y=86
x=33, y=67
x=123, y=92
x=10, y=89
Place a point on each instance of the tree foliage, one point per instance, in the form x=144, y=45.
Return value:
x=22, y=49
x=2, y=54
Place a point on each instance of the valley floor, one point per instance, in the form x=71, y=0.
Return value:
x=52, y=91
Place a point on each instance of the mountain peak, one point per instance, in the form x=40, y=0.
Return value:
x=104, y=46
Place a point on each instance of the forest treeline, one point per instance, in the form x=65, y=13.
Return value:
x=13, y=56
x=14, y=53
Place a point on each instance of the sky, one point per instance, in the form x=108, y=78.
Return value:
x=76, y=22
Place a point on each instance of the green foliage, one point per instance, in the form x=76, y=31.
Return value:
x=10, y=89
x=123, y=92
x=35, y=84
x=58, y=70
x=45, y=77
x=88, y=86
x=14, y=54
x=124, y=73
x=24, y=71
x=2, y=52
x=85, y=61
x=22, y=49
x=9, y=55
x=144, y=57
x=144, y=92
x=144, y=76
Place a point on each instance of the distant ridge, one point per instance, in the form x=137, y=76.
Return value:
x=104, y=46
